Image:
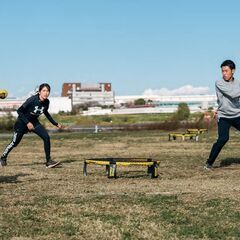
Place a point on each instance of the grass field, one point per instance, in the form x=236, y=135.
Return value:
x=68, y=120
x=185, y=202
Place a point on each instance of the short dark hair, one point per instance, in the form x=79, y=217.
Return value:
x=228, y=63
x=44, y=85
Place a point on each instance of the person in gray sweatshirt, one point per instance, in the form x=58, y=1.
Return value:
x=228, y=112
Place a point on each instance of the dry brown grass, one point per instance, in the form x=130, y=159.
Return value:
x=185, y=202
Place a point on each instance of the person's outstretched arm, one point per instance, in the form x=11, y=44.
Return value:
x=229, y=90
x=50, y=119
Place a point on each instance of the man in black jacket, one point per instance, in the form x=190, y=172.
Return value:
x=27, y=121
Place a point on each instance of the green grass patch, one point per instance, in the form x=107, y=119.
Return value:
x=185, y=202
x=212, y=219
x=68, y=120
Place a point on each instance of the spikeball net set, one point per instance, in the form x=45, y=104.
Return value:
x=112, y=163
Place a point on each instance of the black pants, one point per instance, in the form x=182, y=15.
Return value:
x=224, y=125
x=20, y=129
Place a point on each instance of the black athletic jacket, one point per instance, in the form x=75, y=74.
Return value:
x=32, y=109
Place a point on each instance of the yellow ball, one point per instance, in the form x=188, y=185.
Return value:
x=3, y=93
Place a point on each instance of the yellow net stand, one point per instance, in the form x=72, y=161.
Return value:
x=112, y=163
x=197, y=131
x=191, y=133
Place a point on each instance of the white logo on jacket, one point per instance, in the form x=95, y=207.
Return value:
x=38, y=110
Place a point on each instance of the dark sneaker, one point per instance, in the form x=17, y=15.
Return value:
x=208, y=167
x=51, y=164
x=3, y=162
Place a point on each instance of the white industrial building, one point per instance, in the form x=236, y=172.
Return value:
x=170, y=103
x=60, y=104
x=168, y=99
x=57, y=104
x=161, y=104
x=96, y=98
x=92, y=94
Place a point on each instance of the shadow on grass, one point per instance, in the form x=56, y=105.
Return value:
x=134, y=174
x=69, y=161
x=144, y=176
x=12, y=179
x=43, y=163
x=28, y=164
x=229, y=161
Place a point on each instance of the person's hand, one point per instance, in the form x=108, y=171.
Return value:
x=215, y=114
x=59, y=126
x=30, y=126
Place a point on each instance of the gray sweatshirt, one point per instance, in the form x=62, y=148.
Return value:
x=228, y=98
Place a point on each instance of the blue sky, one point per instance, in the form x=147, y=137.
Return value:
x=136, y=45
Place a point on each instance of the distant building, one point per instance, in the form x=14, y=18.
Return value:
x=170, y=103
x=94, y=94
x=60, y=104
x=11, y=104
x=57, y=104
x=159, y=104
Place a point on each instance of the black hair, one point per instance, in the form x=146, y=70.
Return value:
x=44, y=85
x=228, y=63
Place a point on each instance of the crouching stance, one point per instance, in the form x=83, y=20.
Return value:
x=27, y=121
x=228, y=97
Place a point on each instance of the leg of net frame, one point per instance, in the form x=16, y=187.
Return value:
x=153, y=170
x=107, y=169
x=149, y=170
x=84, y=168
x=112, y=171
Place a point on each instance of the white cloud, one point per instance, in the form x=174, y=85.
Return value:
x=184, y=90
